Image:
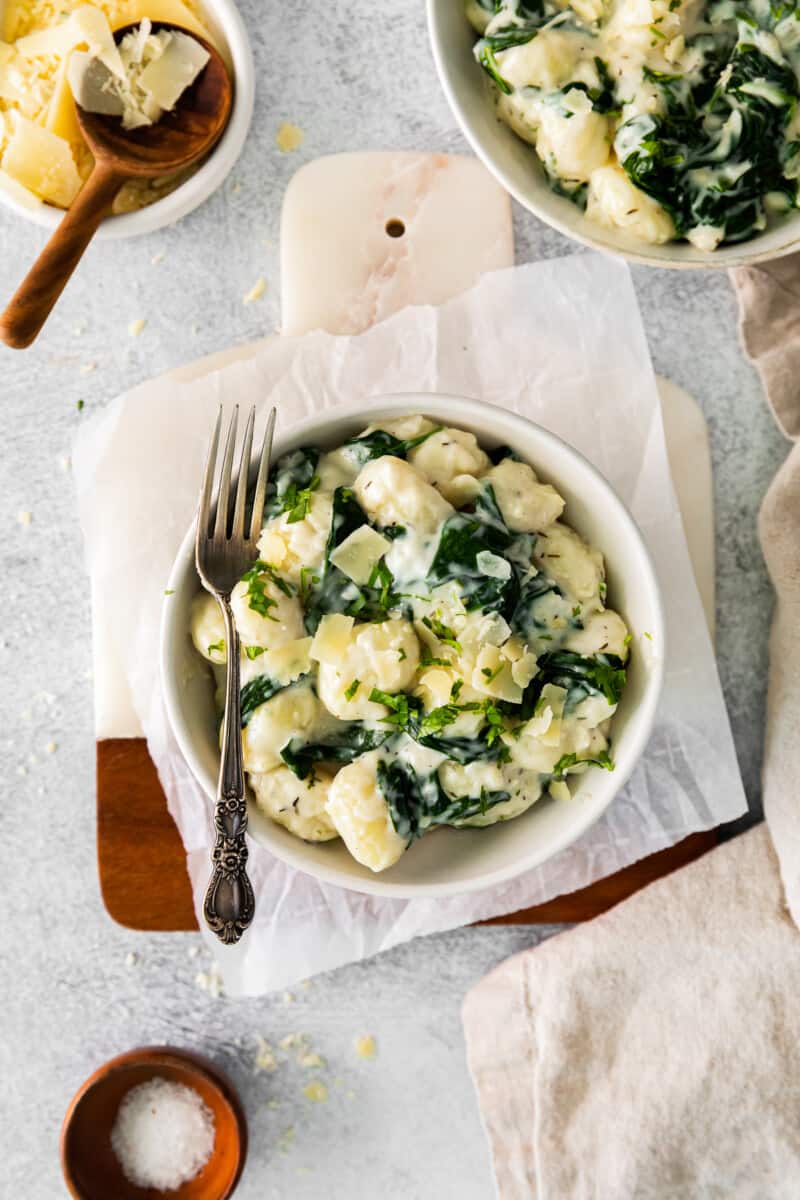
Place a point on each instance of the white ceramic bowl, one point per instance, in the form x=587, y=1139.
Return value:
x=515, y=164
x=222, y=17
x=449, y=861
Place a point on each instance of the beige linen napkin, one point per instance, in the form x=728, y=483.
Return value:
x=655, y=1052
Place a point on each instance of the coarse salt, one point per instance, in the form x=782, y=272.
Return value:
x=163, y=1134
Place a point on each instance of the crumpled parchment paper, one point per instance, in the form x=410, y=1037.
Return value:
x=559, y=341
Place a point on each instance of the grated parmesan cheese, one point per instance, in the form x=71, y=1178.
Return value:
x=37, y=38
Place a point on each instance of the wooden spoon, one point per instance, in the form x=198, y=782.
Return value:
x=180, y=138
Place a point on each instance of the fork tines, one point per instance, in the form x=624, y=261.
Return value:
x=229, y=523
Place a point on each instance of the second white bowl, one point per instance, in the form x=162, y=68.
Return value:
x=515, y=164
x=450, y=861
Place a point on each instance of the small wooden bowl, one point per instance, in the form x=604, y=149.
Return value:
x=90, y=1167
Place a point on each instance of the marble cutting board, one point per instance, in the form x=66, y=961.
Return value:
x=362, y=236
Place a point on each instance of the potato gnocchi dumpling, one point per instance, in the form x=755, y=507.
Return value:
x=208, y=628
x=424, y=641
x=297, y=804
x=392, y=492
x=660, y=119
x=361, y=815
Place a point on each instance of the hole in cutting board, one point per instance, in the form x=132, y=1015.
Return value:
x=395, y=227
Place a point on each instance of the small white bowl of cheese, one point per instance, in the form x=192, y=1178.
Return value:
x=37, y=110
x=449, y=861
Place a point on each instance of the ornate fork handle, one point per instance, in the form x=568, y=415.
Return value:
x=229, y=902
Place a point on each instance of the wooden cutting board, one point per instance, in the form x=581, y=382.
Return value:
x=362, y=236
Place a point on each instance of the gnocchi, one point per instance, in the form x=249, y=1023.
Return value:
x=416, y=652
x=661, y=119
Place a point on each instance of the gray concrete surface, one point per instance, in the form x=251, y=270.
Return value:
x=405, y=1125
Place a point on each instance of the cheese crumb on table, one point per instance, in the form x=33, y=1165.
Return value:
x=137, y=326
x=316, y=1091
x=163, y=1134
x=365, y=1046
x=24, y=517
x=256, y=291
x=265, y=1059
x=210, y=981
x=286, y=1139
x=310, y=1059
x=289, y=137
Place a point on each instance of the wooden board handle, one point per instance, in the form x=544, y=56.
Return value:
x=35, y=297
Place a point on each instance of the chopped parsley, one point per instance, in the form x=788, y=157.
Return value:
x=256, y=579
x=403, y=709
x=443, y=632
x=254, y=651
x=217, y=647
x=571, y=760
x=296, y=501
x=351, y=689
x=308, y=580
x=427, y=659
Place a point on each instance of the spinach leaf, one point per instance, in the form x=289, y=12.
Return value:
x=502, y=452
x=468, y=749
x=363, y=449
x=256, y=692
x=292, y=481
x=333, y=592
x=525, y=620
x=717, y=151
x=419, y=802
x=342, y=747
x=463, y=537
x=581, y=676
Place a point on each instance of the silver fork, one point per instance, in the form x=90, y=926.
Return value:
x=222, y=555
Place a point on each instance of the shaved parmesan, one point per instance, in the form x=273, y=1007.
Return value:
x=166, y=77
x=42, y=162
x=358, y=555
x=523, y=669
x=493, y=565
x=62, y=119
x=332, y=639
x=155, y=70
x=18, y=191
x=552, y=698
x=492, y=676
